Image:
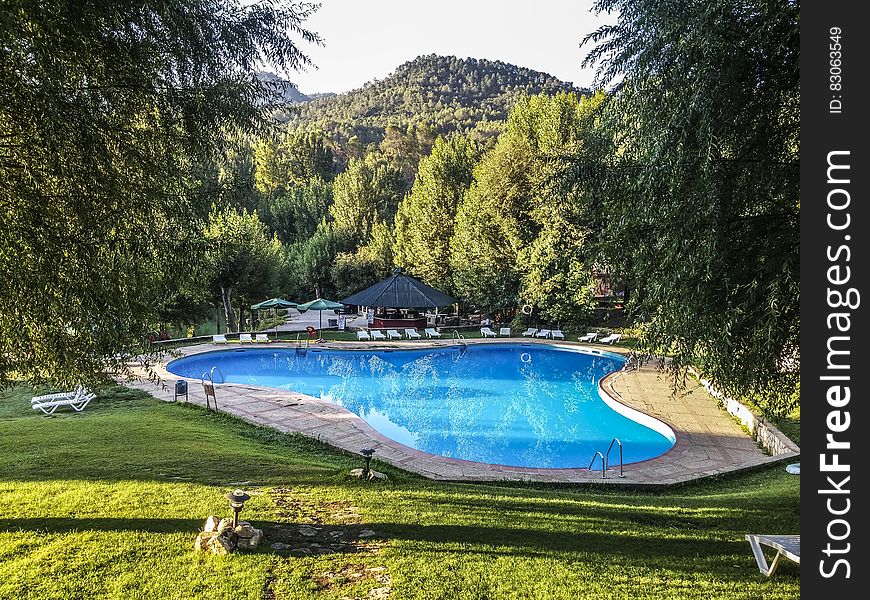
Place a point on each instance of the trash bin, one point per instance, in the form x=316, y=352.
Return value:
x=332, y=322
x=180, y=389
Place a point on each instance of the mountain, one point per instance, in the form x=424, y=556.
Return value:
x=444, y=92
x=286, y=91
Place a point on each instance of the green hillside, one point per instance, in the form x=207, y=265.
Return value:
x=446, y=92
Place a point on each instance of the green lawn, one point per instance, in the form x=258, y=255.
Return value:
x=106, y=504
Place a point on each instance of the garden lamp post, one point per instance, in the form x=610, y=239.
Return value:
x=367, y=453
x=237, y=502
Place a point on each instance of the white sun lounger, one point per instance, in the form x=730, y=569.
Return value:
x=362, y=334
x=589, y=337
x=557, y=333
x=412, y=334
x=530, y=331
x=610, y=339
x=505, y=331
x=377, y=334
x=262, y=337
x=58, y=395
x=77, y=400
x=487, y=332
x=544, y=333
x=788, y=546
x=219, y=338
x=393, y=334
x=430, y=332
x=245, y=337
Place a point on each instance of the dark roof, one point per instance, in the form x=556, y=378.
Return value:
x=400, y=291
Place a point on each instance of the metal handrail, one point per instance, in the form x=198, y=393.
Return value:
x=208, y=387
x=211, y=374
x=603, y=464
x=299, y=342
x=607, y=455
x=460, y=339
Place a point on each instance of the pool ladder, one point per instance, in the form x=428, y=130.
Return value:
x=207, y=381
x=459, y=340
x=302, y=344
x=605, y=459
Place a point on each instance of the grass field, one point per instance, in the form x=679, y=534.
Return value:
x=107, y=503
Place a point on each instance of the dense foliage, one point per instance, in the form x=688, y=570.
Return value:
x=107, y=110
x=518, y=239
x=448, y=93
x=697, y=183
x=241, y=258
x=424, y=222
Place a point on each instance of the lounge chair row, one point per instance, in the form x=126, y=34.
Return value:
x=609, y=339
x=243, y=338
x=487, y=332
x=555, y=334
x=393, y=334
x=78, y=399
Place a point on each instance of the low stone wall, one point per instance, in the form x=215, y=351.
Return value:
x=769, y=437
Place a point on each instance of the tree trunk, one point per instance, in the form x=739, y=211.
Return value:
x=226, y=297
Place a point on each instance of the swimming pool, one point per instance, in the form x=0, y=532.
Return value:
x=507, y=404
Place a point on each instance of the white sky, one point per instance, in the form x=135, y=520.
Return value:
x=367, y=40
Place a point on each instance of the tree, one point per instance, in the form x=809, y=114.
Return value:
x=296, y=214
x=242, y=257
x=519, y=239
x=294, y=159
x=696, y=183
x=368, y=191
x=311, y=260
x=425, y=218
x=105, y=108
x=355, y=271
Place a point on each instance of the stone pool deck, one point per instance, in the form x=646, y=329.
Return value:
x=709, y=441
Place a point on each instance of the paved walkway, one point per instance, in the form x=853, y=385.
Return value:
x=709, y=442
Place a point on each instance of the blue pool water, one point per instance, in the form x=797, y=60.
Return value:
x=509, y=404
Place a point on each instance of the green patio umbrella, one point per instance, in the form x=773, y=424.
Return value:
x=275, y=304
x=319, y=305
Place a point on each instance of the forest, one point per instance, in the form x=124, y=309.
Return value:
x=140, y=191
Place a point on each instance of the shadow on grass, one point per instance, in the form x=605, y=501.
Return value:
x=298, y=539
x=651, y=551
x=509, y=541
x=69, y=525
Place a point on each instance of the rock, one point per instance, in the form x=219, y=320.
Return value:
x=202, y=540
x=307, y=531
x=280, y=546
x=211, y=524
x=372, y=474
x=379, y=593
x=222, y=543
x=224, y=525
x=366, y=533
x=250, y=542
